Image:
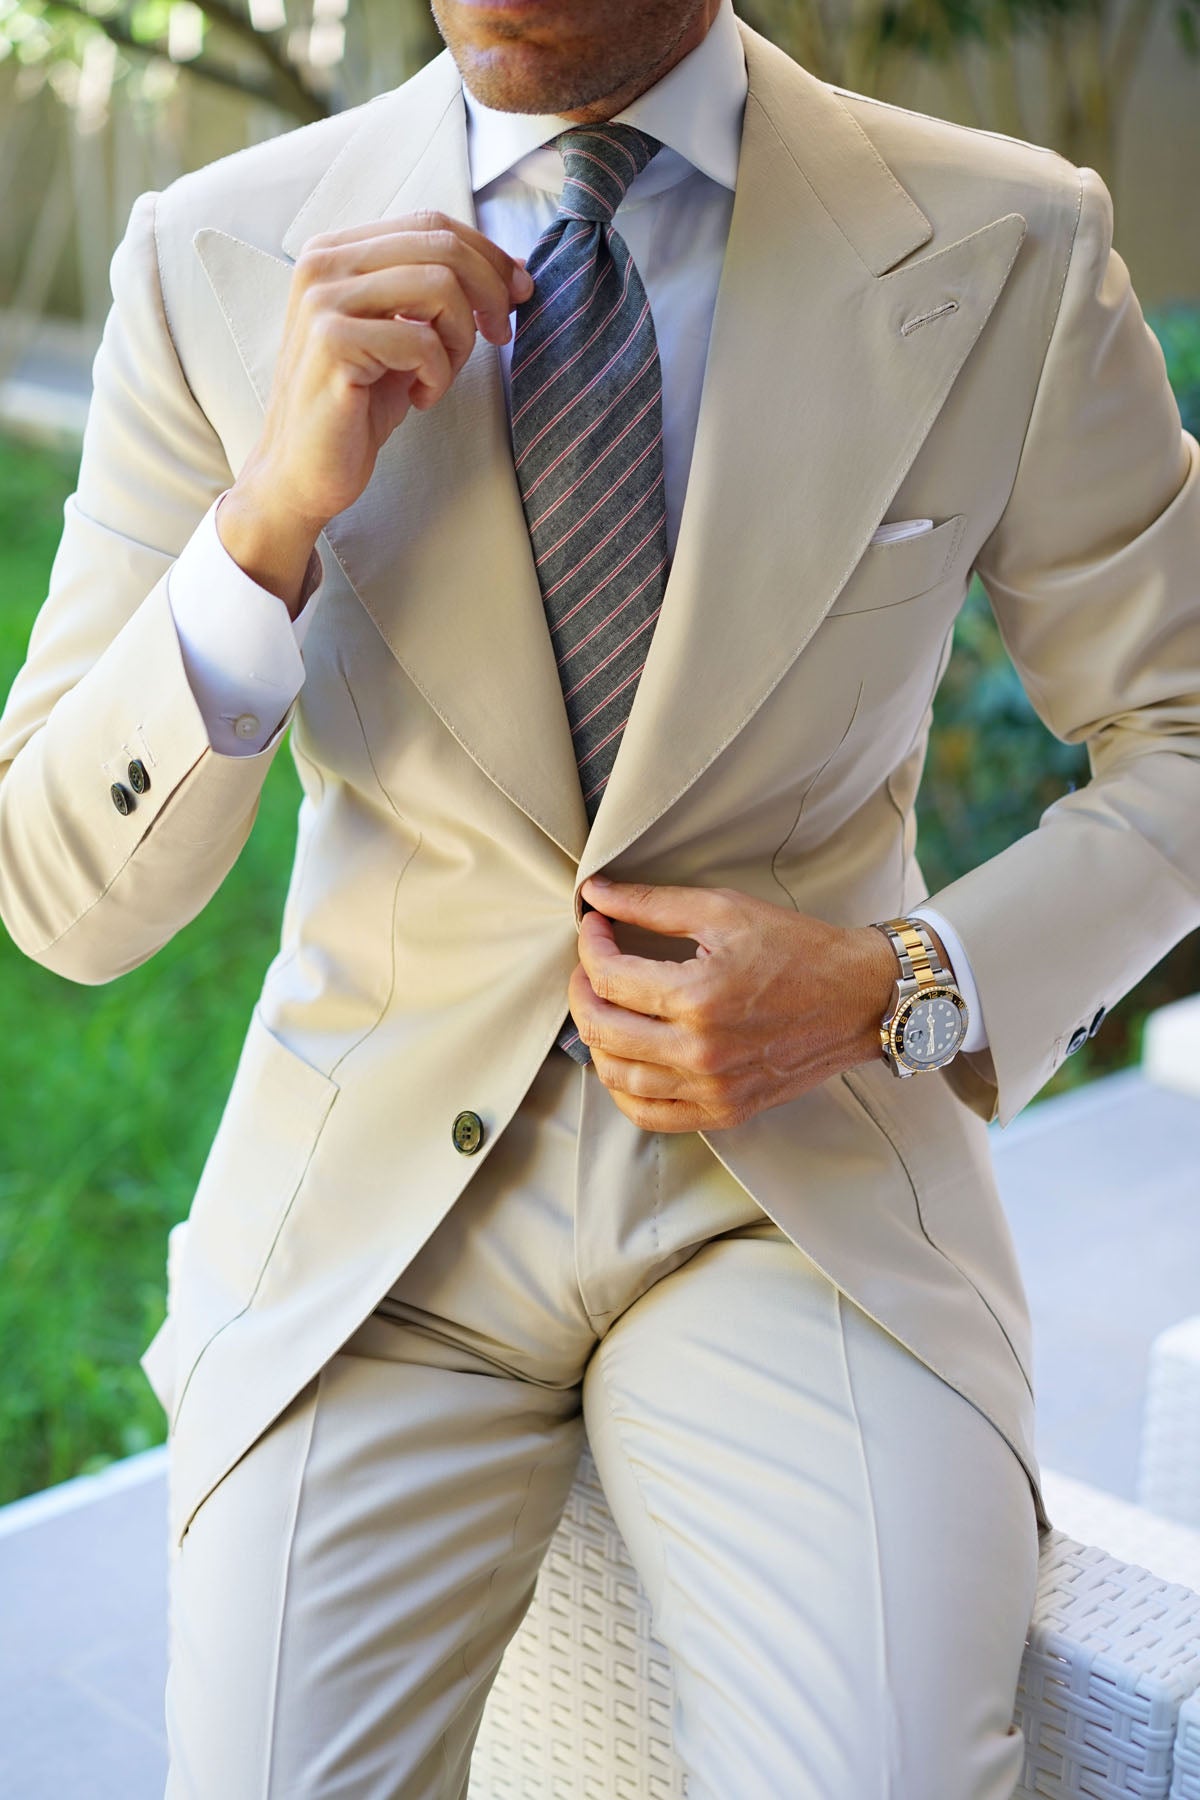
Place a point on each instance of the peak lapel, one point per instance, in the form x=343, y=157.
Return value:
x=436, y=547
x=815, y=403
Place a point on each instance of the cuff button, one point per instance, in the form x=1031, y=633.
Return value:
x=246, y=726
x=122, y=799
x=139, y=781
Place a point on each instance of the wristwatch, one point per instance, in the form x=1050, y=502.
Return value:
x=927, y=1021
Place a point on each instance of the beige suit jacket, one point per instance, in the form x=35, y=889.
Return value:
x=913, y=319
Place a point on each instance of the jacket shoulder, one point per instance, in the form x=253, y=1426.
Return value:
x=959, y=173
x=254, y=193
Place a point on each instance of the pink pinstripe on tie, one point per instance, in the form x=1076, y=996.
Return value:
x=587, y=449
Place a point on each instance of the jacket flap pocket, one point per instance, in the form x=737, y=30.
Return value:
x=272, y=1120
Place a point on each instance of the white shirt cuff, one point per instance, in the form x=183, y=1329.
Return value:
x=976, y=1038
x=240, y=648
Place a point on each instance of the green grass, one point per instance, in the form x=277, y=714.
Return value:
x=111, y=1097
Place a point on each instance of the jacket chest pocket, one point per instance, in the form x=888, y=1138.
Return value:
x=887, y=574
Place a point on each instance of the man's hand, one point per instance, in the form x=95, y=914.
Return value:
x=380, y=317
x=773, y=1003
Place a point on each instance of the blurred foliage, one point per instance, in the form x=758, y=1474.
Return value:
x=1089, y=50
x=1178, y=331
x=992, y=767
x=311, y=57
x=112, y=1094
x=83, y=49
x=296, y=55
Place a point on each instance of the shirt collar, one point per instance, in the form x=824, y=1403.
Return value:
x=695, y=111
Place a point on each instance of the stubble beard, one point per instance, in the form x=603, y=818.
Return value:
x=514, y=69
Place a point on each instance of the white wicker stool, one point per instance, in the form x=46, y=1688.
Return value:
x=581, y=1707
x=1169, y=1463
x=1185, y=1778
x=1113, y=1653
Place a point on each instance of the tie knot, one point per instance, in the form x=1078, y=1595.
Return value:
x=601, y=161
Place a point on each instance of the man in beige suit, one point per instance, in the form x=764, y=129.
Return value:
x=773, y=1278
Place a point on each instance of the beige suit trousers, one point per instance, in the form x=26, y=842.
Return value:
x=840, y=1550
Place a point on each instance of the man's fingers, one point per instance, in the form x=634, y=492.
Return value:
x=394, y=272
x=512, y=273
x=492, y=279
x=504, y=264
x=641, y=983
x=662, y=1115
x=606, y=1026
x=673, y=911
x=402, y=345
x=645, y=1081
x=664, y=1100
x=396, y=252
x=429, y=293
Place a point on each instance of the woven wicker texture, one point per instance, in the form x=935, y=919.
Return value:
x=581, y=1707
x=1169, y=1463
x=1185, y=1777
x=1113, y=1653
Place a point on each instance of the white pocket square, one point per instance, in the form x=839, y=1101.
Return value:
x=901, y=528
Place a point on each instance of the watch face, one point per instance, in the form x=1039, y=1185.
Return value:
x=933, y=1029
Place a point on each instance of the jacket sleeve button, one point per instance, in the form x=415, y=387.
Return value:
x=467, y=1133
x=1078, y=1040
x=138, y=779
x=122, y=799
x=1098, y=1021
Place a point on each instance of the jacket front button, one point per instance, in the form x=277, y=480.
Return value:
x=468, y=1133
x=139, y=781
x=122, y=799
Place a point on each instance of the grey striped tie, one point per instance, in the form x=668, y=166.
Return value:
x=586, y=390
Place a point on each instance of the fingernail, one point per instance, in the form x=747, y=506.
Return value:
x=600, y=881
x=522, y=284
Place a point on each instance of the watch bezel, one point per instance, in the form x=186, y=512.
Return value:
x=892, y=1030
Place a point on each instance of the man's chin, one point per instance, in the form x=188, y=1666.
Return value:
x=523, y=78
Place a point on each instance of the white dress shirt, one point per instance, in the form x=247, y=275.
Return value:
x=242, y=652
